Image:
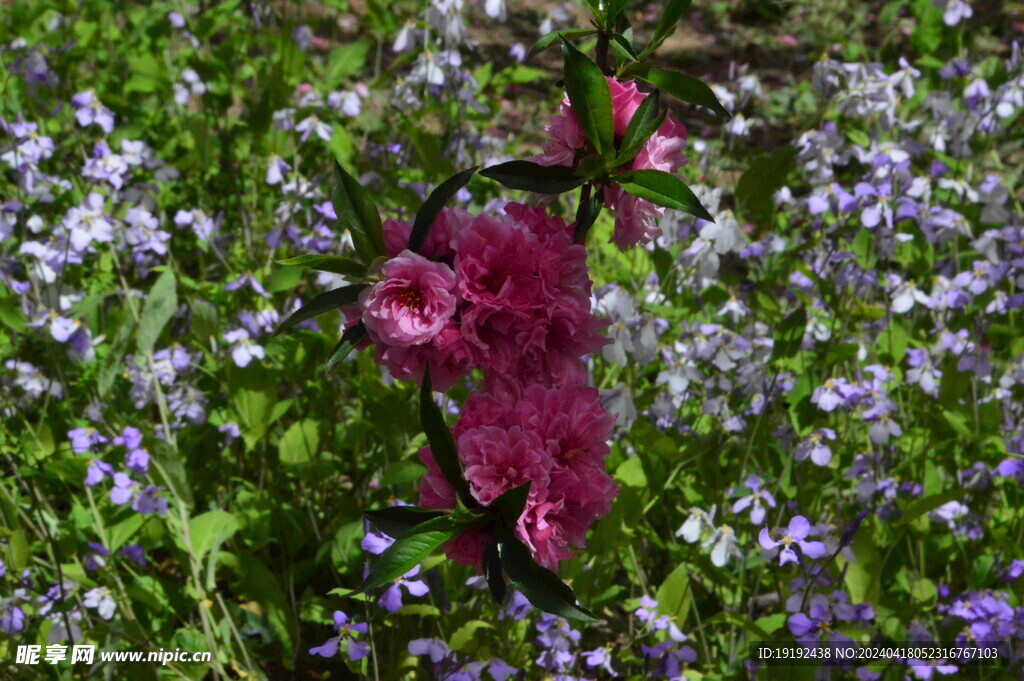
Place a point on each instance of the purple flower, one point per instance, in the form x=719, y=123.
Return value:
x=130, y=438
x=85, y=439
x=102, y=600
x=243, y=350
x=753, y=501
x=926, y=669
x=835, y=392
x=89, y=110
x=135, y=553
x=376, y=543
x=599, y=657
x=815, y=448
x=354, y=650
x=391, y=600
x=137, y=461
x=96, y=472
x=796, y=533
x=95, y=559
x=12, y=618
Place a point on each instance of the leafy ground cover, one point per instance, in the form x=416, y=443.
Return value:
x=815, y=427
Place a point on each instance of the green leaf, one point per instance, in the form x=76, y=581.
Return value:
x=631, y=472
x=541, y=586
x=673, y=595
x=358, y=215
x=586, y=215
x=758, y=183
x=647, y=119
x=492, y=572
x=399, y=521
x=533, y=177
x=789, y=335
x=466, y=633
x=663, y=189
x=433, y=205
x=442, y=444
x=624, y=48
x=208, y=530
x=300, y=442
x=407, y=552
x=590, y=98
x=690, y=90
x=666, y=25
x=510, y=505
x=327, y=263
x=549, y=39
x=352, y=337
x=156, y=312
x=325, y=302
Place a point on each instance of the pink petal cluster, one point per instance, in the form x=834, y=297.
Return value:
x=509, y=295
x=635, y=219
x=553, y=437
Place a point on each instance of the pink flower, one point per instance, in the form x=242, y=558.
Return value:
x=438, y=246
x=412, y=304
x=498, y=460
x=635, y=220
x=553, y=437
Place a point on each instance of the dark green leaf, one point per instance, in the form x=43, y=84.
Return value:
x=549, y=39
x=685, y=88
x=612, y=10
x=921, y=506
x=541, y=586
x=407, y=552
x=642, y=125
x=667, y=23
x=492, y=571
x=325, y=302
x=622, y=46
x=398, y=521
x=327, y=263
x=663, y=189
x=432, y=207
x=442, y=444
x=510, y=505
x=590, y=98
x=587, y=214
x=352, y=337
x=790, y=334
x=533, y=177
x=357, y=214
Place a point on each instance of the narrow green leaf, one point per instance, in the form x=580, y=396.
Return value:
x=667, y=24
x=549, y=39
x=357, y=214
x=541, y=586
x=352, y=337
x=398, y=521
x=492, y=572
x=612, y=10
x=644, y=123
x=327, y=263
x=663, y=189
x=921, y=506
x=590, y=98
x=407, y=552
x=587, y=214
x=325, y=302
x=442, y=444
x=432, y=206
x=624, y=48
x=685, y=88
x=510, y=505
x=534, y=177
